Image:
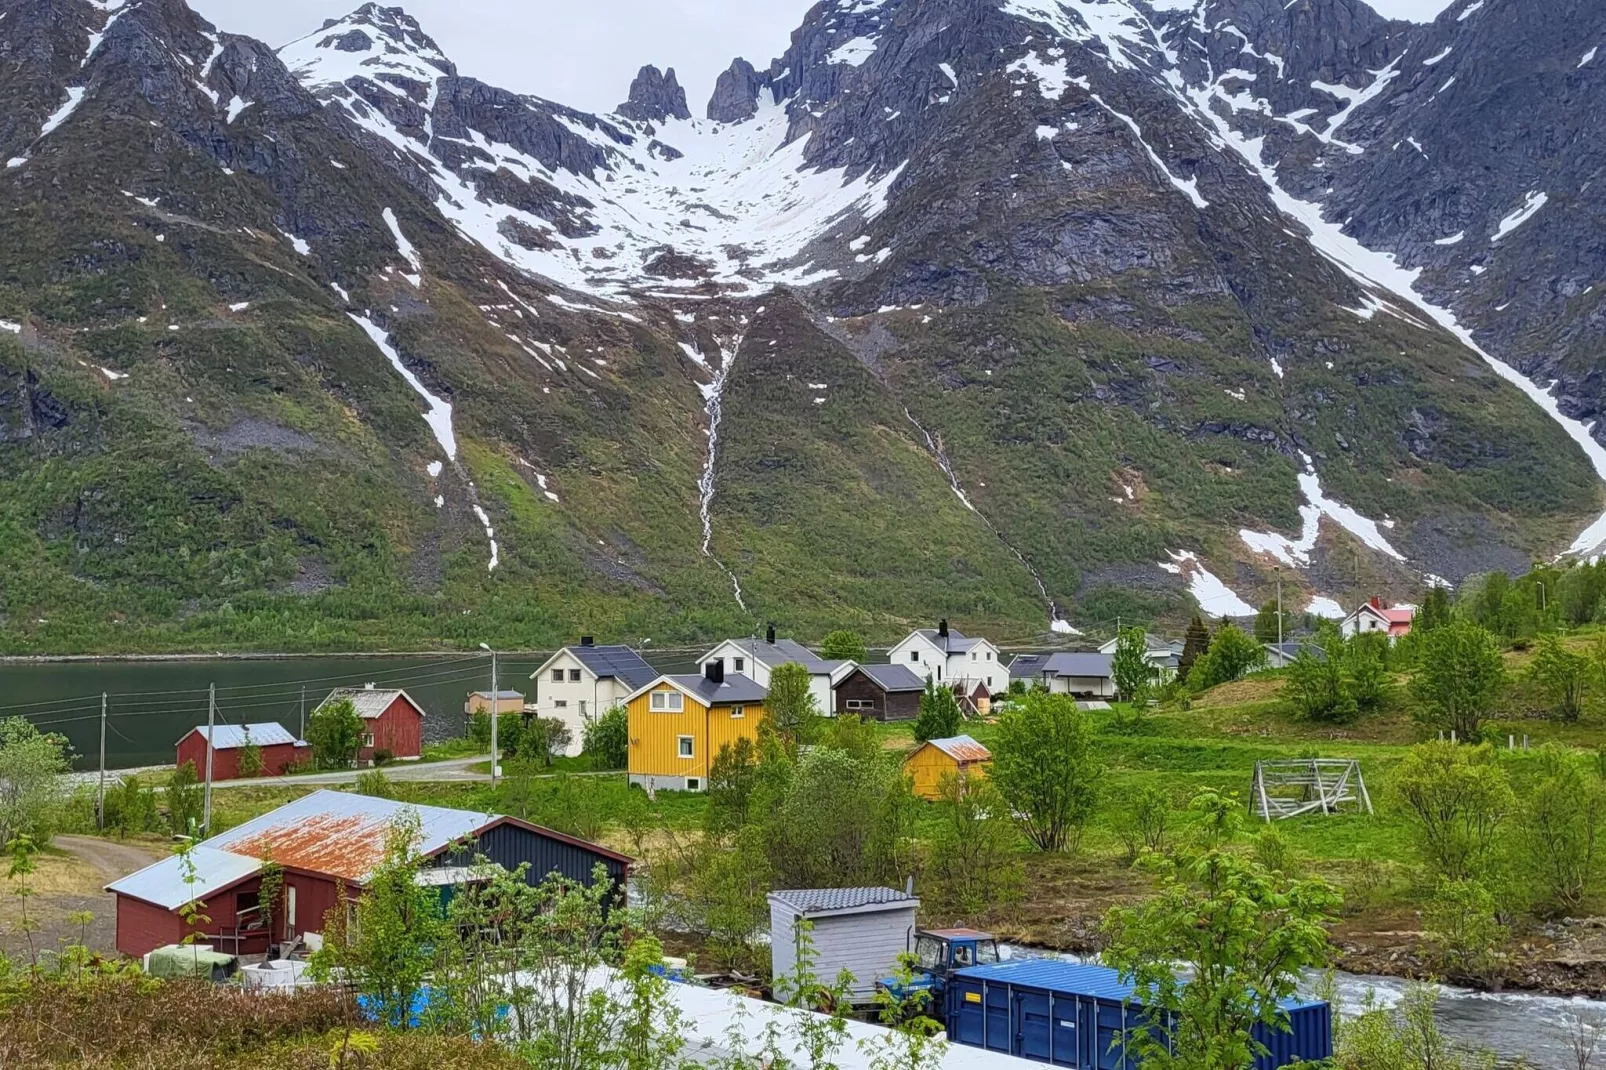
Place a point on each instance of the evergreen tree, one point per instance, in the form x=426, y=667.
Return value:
x=1194, y=647
x=1435, y=611
x=1267, y=626
x=939, y=713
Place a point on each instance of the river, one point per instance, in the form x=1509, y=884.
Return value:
x=152, y=703
x=1517, y=1027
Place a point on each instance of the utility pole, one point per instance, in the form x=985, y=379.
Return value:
x=211, y=727
x=100, y=796
x=495, y=714
x=303, y=734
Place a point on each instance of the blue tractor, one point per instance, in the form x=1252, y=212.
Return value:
x=939, y=952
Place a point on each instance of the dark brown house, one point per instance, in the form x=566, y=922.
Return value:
x=881, y=693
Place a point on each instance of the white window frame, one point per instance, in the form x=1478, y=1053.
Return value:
x=667, y=702
x=741, y=665
x=557, y=676
x=738, y=712
x=858, y=705
x=914, y=655
x=694, y=783
x=686, y=748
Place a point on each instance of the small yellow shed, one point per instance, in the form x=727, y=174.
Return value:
x=960, y=757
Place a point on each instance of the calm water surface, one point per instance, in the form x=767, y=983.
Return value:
x=151, y=704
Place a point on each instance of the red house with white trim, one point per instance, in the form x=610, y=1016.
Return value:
x=325, y=842
x=1376, y=617
x=395, y=723
x=280, y=750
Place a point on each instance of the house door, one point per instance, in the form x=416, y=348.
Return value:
x=289, y=911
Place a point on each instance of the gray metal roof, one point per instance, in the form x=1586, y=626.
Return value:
x=234, y=736
x=824, y=900
x=786, y=652
x=328, y=832
x=501, y=696
x=1035, y=666
x=1291, y=650
x=370, y=702
x=735, y=688
x=894, y=677
x=617, y=663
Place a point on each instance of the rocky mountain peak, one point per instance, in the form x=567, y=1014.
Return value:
x=655, y=96
x=736, y=93
x=374, y=42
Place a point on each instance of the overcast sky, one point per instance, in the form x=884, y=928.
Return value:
x=584, y=52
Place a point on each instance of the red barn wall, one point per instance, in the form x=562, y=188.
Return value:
x=142, y=928
x=400, y=730
x=192, y=748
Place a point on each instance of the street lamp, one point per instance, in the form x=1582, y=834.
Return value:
x=1280, y=651
x=495, y=710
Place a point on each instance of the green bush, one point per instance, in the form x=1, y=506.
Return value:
x=606, y=739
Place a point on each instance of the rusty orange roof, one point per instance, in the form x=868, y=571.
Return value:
x=342, y=835
x=963, y=749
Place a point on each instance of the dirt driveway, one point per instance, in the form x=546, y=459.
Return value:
x=68, y=903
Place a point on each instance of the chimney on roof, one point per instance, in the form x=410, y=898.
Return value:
x=586, y=640
x=1376, y=603
x=769, y=635
x=369, y=686
x=942, y=628
x=715, y=671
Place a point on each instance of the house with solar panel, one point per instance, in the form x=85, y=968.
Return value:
x=328, y=845
x=393, y=723
x=278, y=747
x=580, y=683
x=757, y=658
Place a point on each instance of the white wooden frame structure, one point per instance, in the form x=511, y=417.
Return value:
x=1288, y=788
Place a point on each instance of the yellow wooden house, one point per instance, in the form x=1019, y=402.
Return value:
x=960, y=757
x=679, y=723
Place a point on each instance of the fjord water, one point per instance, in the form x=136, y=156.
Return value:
x=152, y=703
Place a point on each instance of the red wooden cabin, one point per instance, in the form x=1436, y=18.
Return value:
x=280, y=750
x=395, y=723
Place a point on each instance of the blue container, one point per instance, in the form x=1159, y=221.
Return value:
x=1070, y=1015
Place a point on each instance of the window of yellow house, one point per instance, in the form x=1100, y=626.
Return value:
x=668, y=702
x=738, y=711
x=687, y=745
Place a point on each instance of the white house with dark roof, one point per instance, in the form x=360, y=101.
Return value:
x=580, y=683
x=1082, y=675
x=758, y=658
x=951, y=657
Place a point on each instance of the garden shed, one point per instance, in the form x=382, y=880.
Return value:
x=861, y=930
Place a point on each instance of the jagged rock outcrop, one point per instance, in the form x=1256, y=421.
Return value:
x=655, y=96
x=736, y=93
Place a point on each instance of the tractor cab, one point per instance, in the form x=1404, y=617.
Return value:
x=937, y=953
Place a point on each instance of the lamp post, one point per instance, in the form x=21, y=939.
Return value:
x=1280, y=611
x=495, y=712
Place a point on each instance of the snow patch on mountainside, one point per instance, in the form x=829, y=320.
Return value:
x=1213, y=596
x=1375, y=270
x=1530, y=206
x=439, y=414
x=739, y=199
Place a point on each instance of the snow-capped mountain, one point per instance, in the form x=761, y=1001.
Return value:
x=1018, y=311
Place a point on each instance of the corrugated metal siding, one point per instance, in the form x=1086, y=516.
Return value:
x=654, y=737
x=1072, y=1015
x=867, y=945
x=510, y=846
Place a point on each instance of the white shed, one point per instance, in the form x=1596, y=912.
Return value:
x=860, y=930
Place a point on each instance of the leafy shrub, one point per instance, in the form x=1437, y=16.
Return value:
x=939, y=716
x=606, y=739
